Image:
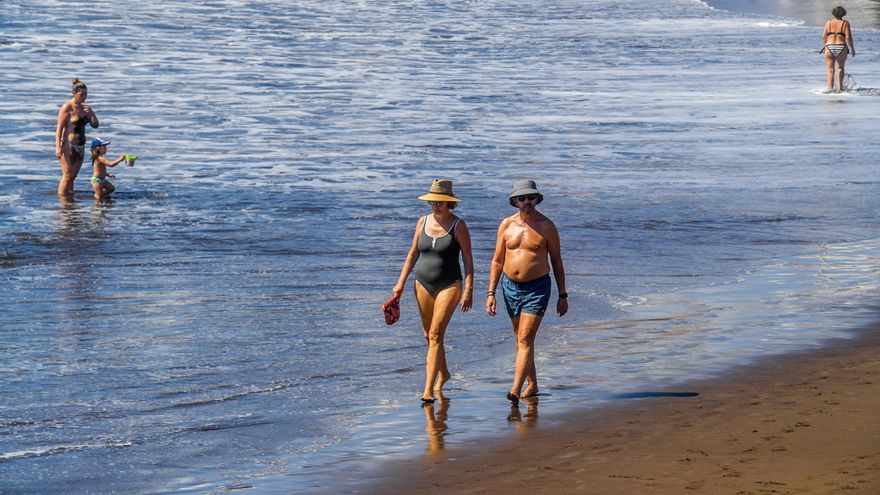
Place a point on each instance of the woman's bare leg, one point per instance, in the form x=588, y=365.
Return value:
x=829, y=64
x=443, y=375
x=841, y=69
x=71, y=163
x=68, y=173
x=434, y=323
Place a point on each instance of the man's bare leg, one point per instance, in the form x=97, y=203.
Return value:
x=527, y=330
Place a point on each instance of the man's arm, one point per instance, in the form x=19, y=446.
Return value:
x=554, y=249
x=496, y=267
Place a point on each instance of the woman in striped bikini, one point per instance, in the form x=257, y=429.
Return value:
x=835, y=38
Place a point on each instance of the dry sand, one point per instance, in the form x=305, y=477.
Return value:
x=806, y=423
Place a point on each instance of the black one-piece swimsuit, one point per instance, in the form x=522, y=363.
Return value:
x=438, y=266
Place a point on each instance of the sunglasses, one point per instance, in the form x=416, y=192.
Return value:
x=436, y=203
x=530, y=197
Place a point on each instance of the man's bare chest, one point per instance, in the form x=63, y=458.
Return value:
x=524, y=237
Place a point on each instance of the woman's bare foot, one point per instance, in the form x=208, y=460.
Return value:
x=441, y=380
x=427, y=397
x=529, y=392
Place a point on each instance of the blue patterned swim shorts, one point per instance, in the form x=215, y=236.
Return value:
x=529, y=297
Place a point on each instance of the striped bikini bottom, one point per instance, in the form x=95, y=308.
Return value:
x=836, y=50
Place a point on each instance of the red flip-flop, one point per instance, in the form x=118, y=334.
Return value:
x=391, y=309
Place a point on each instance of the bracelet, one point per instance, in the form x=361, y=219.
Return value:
x=490, y=293
x=563, y=295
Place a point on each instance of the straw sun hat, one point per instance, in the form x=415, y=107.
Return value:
x=441, y=190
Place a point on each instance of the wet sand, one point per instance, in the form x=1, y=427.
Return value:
x=798, y=424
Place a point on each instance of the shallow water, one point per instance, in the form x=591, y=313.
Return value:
x=216, y=326
x=860, y=13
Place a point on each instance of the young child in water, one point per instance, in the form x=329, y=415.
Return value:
x=100, y=184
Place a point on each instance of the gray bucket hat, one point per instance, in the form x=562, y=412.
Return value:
x=523, y=188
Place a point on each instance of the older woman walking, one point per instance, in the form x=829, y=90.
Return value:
x=440, y=238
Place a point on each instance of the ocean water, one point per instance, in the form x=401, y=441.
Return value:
x=216, y=327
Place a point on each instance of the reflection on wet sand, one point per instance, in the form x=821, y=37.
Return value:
x=70, y=217
x=73, y=224
x=435, y=423
x=524, y=422
x=72, y=262
x=80, y=236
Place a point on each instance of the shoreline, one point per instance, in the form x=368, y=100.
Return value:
x=862, y=13
x=797, y=423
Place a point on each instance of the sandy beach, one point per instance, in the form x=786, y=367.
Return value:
x=804, y=423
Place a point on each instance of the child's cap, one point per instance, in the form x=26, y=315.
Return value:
x=99, y=142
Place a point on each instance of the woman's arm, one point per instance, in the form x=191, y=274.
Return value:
x=410, y=262
x=463, y=236
x=849, y=39
x=63, y=115
x=93, y=119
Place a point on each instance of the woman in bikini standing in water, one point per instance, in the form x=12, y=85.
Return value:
x=70, y=135
x=440, y=238
x=835, y=38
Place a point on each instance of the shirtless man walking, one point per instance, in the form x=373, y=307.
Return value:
x=526, y=248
